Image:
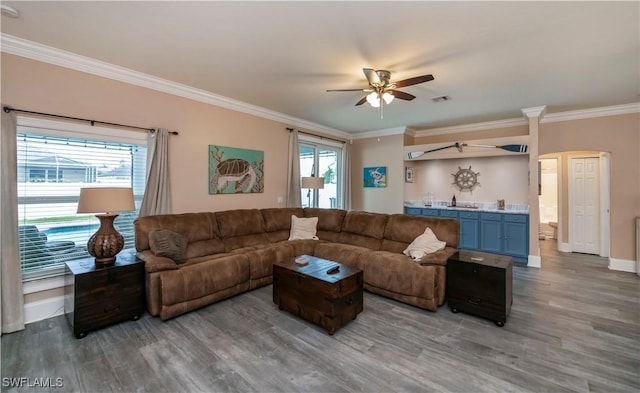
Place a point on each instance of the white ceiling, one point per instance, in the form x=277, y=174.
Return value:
x=491, y=58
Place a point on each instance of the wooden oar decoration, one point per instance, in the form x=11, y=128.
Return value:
x=460, y=145
x=513, y=148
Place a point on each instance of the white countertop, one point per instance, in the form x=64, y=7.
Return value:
x=492, y=207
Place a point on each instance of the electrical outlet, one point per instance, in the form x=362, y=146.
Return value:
x=280, y=199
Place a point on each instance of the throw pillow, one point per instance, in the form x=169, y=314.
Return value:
x=166, y=243
x=424, y=244
x=303, y=228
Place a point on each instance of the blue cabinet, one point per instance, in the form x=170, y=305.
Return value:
x=498, y=233
x=516, y=235
x=469, y=226
x=491, y=232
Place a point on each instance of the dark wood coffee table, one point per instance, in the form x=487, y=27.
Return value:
x=327, y=300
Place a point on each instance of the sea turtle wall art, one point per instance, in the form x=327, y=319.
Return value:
x=235, y=171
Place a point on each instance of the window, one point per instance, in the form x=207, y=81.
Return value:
x=323, y=159
x=54, y=161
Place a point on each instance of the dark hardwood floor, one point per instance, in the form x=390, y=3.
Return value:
x=574, y=327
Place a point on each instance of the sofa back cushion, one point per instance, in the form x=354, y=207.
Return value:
x=199, y=229
x=277, y=222
x=241, y=228
x=363, y=229
x=329, y=222
x=402, y=229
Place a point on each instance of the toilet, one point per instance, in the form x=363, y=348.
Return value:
x=554, y=225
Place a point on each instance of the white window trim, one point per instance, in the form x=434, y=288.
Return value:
x=43, y=284
x=26, y=124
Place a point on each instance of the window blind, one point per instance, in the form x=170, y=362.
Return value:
x=51, y=171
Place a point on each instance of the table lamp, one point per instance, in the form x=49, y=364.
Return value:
x=107, y=242
x=315, y=183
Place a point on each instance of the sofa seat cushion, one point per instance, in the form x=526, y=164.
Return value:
x=203, y=278
x=398, y=273
x=261, y=260
x=303, y=246
x=346, y=254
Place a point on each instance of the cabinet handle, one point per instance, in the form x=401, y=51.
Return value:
x=108, y=310
x=474, y=301
x=350, y=301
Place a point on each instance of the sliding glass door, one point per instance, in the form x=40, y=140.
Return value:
x=321, y=160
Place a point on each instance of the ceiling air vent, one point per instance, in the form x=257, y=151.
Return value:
x=441, y=98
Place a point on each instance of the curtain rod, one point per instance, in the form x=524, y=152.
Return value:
x=8, y=109
x=317, y=136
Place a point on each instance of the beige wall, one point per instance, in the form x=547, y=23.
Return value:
x=372, y=152
x=501, y=177
x=620, y=136
x=37, y=86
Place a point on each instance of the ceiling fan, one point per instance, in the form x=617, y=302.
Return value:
x=382, y=91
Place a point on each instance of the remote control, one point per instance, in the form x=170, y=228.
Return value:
x=333, y=270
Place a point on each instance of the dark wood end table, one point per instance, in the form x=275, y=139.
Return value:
x=480, y=283
x=96, y=297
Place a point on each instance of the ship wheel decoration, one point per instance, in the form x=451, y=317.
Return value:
x=465, y=179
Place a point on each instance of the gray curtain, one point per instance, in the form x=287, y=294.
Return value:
x=11, y=296
x=293, y=171
x=346, y=179
x=157, y=193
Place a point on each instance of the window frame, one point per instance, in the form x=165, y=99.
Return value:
x=67, y=129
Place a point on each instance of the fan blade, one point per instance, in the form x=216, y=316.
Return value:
x=333, y=90
x=414, y=80
x=372, y=76
x=362, y=101
x=402, y=95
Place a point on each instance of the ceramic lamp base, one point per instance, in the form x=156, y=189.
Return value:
x=107, y=242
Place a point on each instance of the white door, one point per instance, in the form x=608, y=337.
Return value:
x=584, y=194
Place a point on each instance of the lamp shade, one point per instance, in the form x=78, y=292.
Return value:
x=105, y=200
x=313, y=182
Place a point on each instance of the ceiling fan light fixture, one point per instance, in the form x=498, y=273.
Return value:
x=387, y=97
x=373, y=99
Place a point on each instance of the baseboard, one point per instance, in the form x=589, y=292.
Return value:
x=564, y=247
x=43, y=309
x=534, y=261
x=622, y=265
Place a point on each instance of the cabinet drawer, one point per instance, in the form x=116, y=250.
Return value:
x=430, y=212
x=469, y=215
x=491, y=216
x=413, y=210
x=515, y=218
x=449, y=213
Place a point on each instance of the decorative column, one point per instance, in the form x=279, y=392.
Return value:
x=534, y=115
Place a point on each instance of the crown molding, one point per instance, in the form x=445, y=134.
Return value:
x=47, y=54
x=613, y=110
x=379, y=133
x=537, y=112
x=488, y=125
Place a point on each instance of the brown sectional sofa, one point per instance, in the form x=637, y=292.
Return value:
x=230, y=252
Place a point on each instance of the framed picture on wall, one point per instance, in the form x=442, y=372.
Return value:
x=408, y=174
x=375, y=176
